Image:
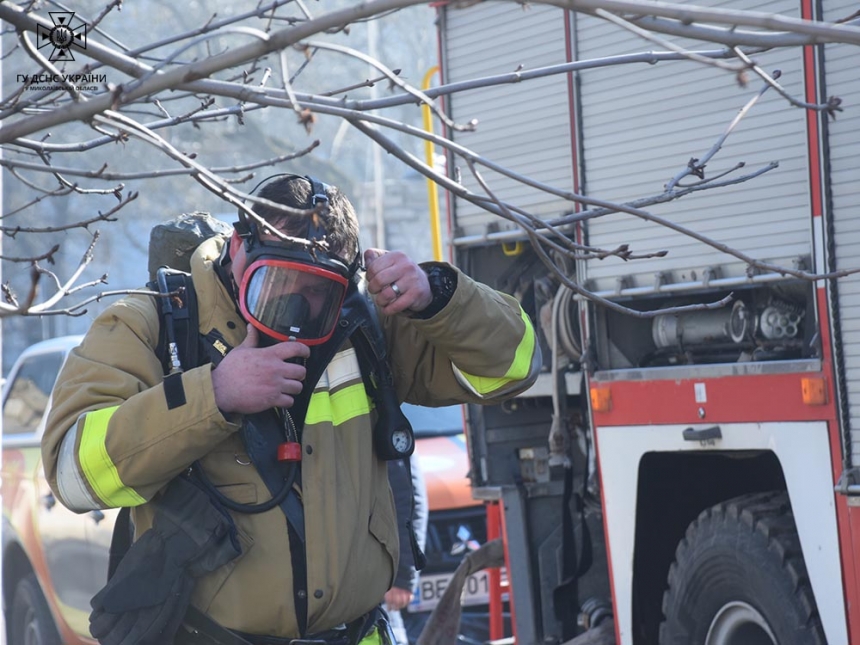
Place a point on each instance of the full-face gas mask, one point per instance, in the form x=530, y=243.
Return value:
x=292, y=291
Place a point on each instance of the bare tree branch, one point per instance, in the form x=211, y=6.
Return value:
x=102, y=173
x=666, y=44
x=249, y=54
x=12, y=231
x=697, y=166
x=831, y=107
x=184, y=77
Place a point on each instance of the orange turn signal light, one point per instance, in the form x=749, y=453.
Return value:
x=601, y=399
x=814, y=391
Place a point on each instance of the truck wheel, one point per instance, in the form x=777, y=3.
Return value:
x=739, y=579
x=31, y=622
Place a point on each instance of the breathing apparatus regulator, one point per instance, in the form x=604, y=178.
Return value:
x=304, y=292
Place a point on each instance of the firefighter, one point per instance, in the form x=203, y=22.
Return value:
x=238, y=539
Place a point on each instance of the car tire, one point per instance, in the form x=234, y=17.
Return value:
x=739, y=578
x=30, y=620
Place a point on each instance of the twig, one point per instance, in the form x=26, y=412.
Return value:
x=154, y=174
x=697, y=166
x=12, y=231
x=831, y=107
x=370, y=82
x=48, y=255
x=396, y=80
x=246, y=31
x=612, y=207
x=730, y=36
x=686, y=14
x=212, y=182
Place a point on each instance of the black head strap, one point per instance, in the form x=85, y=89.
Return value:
x=316, y=230
x=247, y=227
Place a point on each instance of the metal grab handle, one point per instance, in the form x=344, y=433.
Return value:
x=705, y=434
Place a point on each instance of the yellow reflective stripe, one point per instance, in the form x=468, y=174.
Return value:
x=374, y=637
x=337, y=408
x=96, y=463
x=519, y=368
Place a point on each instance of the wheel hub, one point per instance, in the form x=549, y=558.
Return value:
x=31, y=630
x=738, y=623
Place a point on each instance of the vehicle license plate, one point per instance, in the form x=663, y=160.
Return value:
x=476, y=591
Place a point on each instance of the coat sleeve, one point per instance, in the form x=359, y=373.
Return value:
x=480, y=348
x=111, y=439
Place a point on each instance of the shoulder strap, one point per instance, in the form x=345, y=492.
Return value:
x=372, y=351
x=178, y=343
x=178, y=335
x=178, y=346
x=123, y=535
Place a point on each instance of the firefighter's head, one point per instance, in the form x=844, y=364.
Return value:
x=289, y=290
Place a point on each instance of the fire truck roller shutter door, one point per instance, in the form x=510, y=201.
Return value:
x=739, y=578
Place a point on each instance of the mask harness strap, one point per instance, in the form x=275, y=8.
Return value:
x=247, y=227
x=371, y=349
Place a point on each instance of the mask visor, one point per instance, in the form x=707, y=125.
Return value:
x=292, y=300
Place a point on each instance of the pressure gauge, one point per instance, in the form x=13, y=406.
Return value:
x=401, y=441
x=392, y=435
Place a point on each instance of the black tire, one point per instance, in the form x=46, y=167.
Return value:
x=739, y=578
x=30, y=620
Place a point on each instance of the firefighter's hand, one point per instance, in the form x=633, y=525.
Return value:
x=396, y=282
x=252, y=379
x=397, y=598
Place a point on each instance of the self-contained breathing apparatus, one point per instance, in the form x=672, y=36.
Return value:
x=290, y=291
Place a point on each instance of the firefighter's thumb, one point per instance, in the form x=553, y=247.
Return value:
x=371, y=254
x=252, y=339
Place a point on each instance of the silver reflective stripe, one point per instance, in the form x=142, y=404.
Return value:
x=72, y=489
x=342, y=369
x=463, y=381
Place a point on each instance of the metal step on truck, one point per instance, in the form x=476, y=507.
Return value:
x=690, y=476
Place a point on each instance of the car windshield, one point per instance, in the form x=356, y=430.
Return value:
x=429, y=422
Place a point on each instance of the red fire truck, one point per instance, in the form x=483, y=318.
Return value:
x=693, y=473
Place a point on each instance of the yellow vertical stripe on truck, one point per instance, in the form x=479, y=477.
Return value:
x=343, y=405
x=519, y=368
x=96, y=463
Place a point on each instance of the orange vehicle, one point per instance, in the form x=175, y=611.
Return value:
x=55, y=561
